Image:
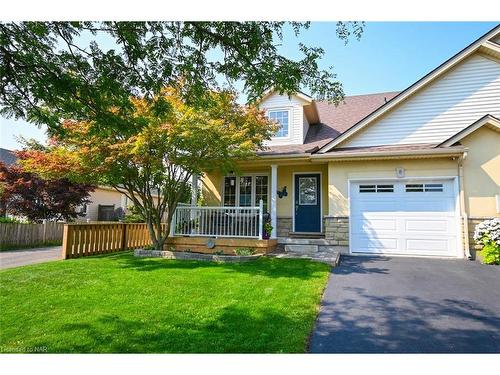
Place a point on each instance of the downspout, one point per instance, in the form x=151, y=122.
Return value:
x=463, y=212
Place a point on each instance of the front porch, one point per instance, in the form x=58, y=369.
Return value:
x=292, y=197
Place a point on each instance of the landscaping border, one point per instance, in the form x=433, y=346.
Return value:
x=195, y=256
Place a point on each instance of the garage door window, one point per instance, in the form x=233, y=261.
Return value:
x=420, y=188
x=376, y=188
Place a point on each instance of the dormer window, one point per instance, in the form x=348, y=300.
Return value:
x=283, y=118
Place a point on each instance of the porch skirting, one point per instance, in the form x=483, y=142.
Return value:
x=226, y=246
x=337, y=230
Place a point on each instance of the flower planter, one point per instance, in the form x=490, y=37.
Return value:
x=183, y=255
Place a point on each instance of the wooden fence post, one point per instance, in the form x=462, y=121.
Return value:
x=65, y=244
x=124, y=236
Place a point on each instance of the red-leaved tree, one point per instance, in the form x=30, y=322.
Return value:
x=25, y=194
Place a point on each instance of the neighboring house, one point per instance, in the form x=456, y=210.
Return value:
x=406, y=173
x=106, y=203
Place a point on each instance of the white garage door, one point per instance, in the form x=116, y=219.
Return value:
x=404, y=217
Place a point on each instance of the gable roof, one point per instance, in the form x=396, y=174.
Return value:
x=333, y=121
x=488, y=120
x=483, y=44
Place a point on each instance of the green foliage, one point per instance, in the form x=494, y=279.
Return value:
x=5, y=219
x=118, y=303
x=54, y=70
x=133, y=215
x=491, y=253
x=244, y=251
x=218, y=252
x=268, y=228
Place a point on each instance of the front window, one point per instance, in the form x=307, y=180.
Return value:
x=283, y=120
x=246, y=191
x=229, y=191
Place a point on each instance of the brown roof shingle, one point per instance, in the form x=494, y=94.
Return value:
x=334, y=120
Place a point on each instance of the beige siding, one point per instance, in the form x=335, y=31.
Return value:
x=482, y=172
x=341, y=172
x=440, y=110
x=212, y=185
x=296, y=116
x=305, y=127
x=104, y=197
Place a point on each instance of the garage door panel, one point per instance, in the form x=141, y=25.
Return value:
x=375, y=205
x=417, y=205
x=428, y=245
x=422, y=226
x=402, y=222
x=369, y=244
x=378, y=223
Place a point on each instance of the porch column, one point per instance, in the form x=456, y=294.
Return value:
x=274, y=192
x=194, y=189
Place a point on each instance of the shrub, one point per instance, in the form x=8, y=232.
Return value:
x=487, y=233
x=5, y=219
x=244, y=251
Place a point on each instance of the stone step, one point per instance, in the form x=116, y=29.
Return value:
x=305, y=241
x=301, y=249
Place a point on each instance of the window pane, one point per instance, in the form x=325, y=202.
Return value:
x=229, y=191
x=245, y=191
x=434, y=187
x=367, y=189
x=376, y=188
x=261, y=188
x=282, y=118
x=307, y=190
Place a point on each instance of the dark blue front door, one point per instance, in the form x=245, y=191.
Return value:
x=307, y=203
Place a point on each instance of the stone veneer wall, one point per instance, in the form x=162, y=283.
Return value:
x=284, y=226
x=337, y=230
x=473, y=246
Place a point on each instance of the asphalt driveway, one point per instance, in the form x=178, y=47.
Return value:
x=409, y=305
x=16, y=258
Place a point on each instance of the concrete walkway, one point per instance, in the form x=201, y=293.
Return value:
x=16, y=258
x=409, y=305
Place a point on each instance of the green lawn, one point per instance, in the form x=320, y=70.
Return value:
x=119, y=303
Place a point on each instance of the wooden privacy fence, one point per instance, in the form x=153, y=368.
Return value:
x=18, y=234
x=101, y=238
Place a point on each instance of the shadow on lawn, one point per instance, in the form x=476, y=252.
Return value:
x=234, y=330
x=268, y=267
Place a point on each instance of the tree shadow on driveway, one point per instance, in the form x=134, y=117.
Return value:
x=389, y=305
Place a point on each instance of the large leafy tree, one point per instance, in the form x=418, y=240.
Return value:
x=91, y=71
x=25, y=194
x=153, y=159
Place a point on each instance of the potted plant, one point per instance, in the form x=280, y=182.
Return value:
x=268, y=228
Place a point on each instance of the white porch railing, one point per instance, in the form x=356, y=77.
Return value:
x=241, y=222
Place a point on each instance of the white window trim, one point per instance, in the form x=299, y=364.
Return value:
x=237, y=193
x=282, y=109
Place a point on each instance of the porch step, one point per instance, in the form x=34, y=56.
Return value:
x=304, y=235
x=302, y=249
x=309, y=246
x=304, y=241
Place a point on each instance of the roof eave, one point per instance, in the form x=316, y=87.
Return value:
x=438, y=152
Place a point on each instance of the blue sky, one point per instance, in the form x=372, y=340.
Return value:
x=389, y=57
